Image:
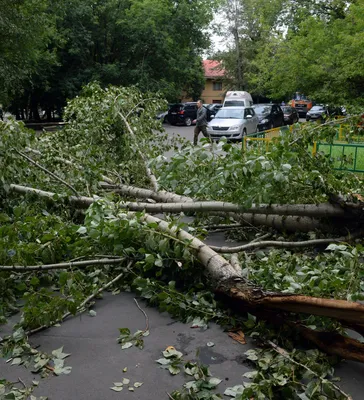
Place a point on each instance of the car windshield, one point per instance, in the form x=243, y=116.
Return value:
x=234, y=103
x=230, y=113
x=263, y=110
x=287, y=109
x=317, y=108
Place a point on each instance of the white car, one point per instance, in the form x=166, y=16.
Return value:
x=233, y=123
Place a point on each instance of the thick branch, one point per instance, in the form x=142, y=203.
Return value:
x=282, y=244
x=288, y=223
x=80, y=201
x=160, y=196
x=65, y=265
x=309, y=210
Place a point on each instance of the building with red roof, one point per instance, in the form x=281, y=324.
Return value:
x=214, y=91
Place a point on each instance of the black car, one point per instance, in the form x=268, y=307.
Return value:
x=270, y=116
x=211, y=110
x=214, y=108
x=182, y=113
x=317, y=113
x=290, y=115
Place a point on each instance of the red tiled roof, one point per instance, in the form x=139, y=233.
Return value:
x=213, y=69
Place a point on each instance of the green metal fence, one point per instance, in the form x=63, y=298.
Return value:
x=348, y=157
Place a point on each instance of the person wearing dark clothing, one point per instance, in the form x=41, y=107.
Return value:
x=201, y=122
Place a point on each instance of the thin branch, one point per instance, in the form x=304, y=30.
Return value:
x=65, y=265
x=22, y=382
x=150, y=175
x=258, y=239
x=286, y=355
x=282, y=244
x=222, y=227
x=145, y=315
x=318, y=127
x=82, y=305
x=47, y=172
x=171, y=398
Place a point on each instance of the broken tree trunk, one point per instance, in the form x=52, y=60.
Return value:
x=303, y=210
x=288, y=223
x=228, y=280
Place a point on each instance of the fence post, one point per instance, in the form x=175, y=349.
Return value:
x=314, y=148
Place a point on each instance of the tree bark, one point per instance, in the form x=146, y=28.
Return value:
x=308, y=210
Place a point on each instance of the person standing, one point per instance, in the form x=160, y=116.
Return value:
x=201, y=122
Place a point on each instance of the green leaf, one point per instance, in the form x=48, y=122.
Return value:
x=116, y=388
x=127, y=345
x=174, y=370
x=163, y=361
x=59, y=353
x=214, y=381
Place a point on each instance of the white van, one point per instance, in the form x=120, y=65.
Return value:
x=238, y=99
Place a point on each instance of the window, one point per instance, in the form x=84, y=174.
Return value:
x=217, y=86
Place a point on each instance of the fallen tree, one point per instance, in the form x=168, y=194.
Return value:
x=72, y=170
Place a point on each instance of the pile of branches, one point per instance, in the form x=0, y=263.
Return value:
x=104, y=175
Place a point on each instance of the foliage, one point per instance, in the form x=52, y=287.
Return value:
x=202, y=385
x=126, y=339
x=286, y=46
x=149, y=43
x=277, y=377
x=9, y=391
x=288, y=171
x=25, y=30
x=95, y=142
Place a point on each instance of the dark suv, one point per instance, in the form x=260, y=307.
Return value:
x=182, y=113
x=270, y=116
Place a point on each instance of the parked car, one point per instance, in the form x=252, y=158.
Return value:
x=336, y=111
x=318, y=112
x=270, y=116
x=214, y=108
x=233, y=123
x=182, y=113
x=163, y=114
x=290, y=115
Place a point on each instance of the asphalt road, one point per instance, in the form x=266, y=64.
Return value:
x=187, y=131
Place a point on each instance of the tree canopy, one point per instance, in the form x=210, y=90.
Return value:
x=155, y=45
x=312, y=47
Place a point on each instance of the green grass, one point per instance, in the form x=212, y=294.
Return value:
x=346, y=156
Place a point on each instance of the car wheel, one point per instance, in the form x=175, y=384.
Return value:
x=188, y=121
